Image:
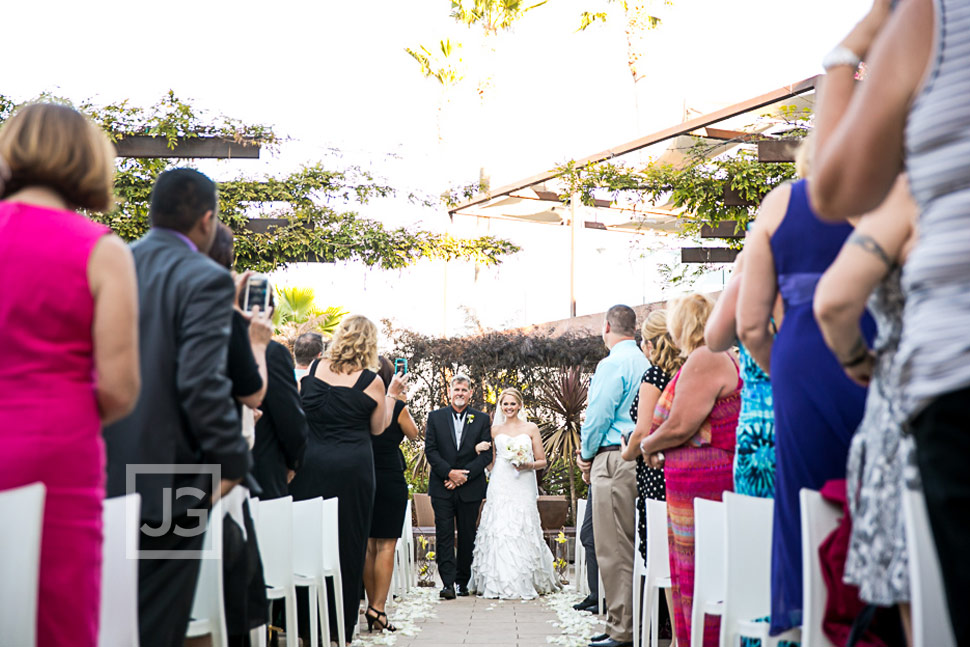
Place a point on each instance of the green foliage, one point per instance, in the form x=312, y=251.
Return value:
x=456, y=195
x=310, y=204
x=297, y=312
x=698, y=188
x=563, y=396
x=445, y=68
x=492, y=15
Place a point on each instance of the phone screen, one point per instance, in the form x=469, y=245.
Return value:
x=257, y=293
x=401, y=366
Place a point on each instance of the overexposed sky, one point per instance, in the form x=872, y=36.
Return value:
x=334, y=75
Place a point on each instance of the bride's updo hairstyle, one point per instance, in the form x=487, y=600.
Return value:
x=666, y=355
x=354, y=346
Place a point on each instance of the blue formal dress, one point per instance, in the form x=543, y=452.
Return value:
x=817, y=407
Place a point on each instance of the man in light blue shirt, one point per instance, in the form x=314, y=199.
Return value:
x=613, y=480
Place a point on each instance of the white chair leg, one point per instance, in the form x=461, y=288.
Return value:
x=697, y=626
x=600, y=606
x=654, y=618
x=338, y=603
x=292, y=626
x=323, y=608
x=312, y=592
x=637, y=605
x=257, y=636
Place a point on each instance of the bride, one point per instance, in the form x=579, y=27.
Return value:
x=511, y=559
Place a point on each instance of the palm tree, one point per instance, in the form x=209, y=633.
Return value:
x=445, y=68
x=297, y=313
x=493, y=15
x=565, y=397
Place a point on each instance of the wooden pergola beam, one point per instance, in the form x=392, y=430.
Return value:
x=779, y=150
x=186, y=147
x=708, y=254
x=724, y=229
x=781, y=94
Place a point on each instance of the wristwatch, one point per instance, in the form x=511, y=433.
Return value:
x=839, y=56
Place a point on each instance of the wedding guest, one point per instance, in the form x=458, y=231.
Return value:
x=307, y=347
x=912, y=111
x=817, y=408
x=69, y=334
x=185, y=415
x=390, y=504
x=692, y=438
x=244, y=584
x=754, y=456
x=345, y=403
x=613, y=480
x=869, y=268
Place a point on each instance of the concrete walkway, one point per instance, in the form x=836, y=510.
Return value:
x=477, y=621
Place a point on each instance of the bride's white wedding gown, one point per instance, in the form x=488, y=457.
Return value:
x=511, y=559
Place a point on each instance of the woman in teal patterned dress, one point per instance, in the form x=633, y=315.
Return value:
x=754, y=456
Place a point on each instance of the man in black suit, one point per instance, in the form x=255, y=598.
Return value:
x=457, y=484
x=182, y=447
x=281, y=432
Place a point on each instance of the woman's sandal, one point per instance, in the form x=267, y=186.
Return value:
x=382, y=625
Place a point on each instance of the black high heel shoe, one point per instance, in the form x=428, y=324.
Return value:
x=382, y=625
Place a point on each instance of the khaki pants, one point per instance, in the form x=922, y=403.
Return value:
x=614, y=484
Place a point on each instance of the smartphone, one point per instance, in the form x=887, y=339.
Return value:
x=401, y=366
x=257, y=293
x=626, y=436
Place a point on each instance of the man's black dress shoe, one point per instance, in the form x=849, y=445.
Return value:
x=461, y=590
x=447, y=593
x=599, y=638
x=587, y=604
x=609, y=642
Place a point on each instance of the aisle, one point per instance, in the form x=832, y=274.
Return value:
x=477, y=621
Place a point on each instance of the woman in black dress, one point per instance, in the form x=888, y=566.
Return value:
x=390, y=505
x=345, y=403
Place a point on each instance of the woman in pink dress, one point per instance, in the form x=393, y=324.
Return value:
x=68, y=330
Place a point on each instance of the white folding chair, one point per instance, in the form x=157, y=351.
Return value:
x=931, y=616
x=316, y=558
x=709, y=558
x=400, y=579
x=274, y=533
x=208, y=606
x=819, y=519
x=747, y=590
x=657, y=572
x=118, y=626
x=579, y=552
x=407, y=538
x=20, y=562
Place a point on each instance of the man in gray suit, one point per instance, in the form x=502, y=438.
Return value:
x=182, y=447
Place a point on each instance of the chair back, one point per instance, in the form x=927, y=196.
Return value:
x=819, y=519
x=308, y=537
x=331, y=539
x=931, y=616
x=208, y=602
x=747, y=586
x=658, y=553
x=579, y=551
x=709, y=551
x=20, y=562
x=274, y=527
x=118, y=626
x=423, y=510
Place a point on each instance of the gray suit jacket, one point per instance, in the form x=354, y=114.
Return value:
x=185, y=415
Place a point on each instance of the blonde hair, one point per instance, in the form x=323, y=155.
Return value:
x=686, y=320
x=354, y=346
x=47, y=144
x=666, y=355
x=516, y=395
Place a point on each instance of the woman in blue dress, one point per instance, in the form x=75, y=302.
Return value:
x=817, y=407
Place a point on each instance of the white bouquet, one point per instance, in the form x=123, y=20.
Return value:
x=518, y=455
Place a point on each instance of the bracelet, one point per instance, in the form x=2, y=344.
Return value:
x=840, y=55
x=858, y=359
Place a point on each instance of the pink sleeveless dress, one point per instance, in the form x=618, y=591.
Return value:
x=702, y=467
x=50, y=429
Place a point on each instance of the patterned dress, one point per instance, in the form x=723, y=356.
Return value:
x=754, y=458
x=701, y=467
x=650, y=480
x=877, y=560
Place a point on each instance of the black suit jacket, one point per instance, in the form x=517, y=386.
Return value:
x=185, y=414
x=444, y=456
x=281, y=433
